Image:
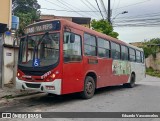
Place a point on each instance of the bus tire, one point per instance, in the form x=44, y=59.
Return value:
x=131, y=84
x=89, y=88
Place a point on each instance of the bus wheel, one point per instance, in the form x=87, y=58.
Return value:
x=132, y=81
x=131, y=84
x=89, y=88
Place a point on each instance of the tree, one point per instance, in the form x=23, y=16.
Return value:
x=104, y=27
x=151, y=47
x=28, y=12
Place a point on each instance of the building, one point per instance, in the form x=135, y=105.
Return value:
x=137, y=44
x=79, y=20
x=6, y=43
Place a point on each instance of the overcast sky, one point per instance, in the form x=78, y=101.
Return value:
x=140, y=12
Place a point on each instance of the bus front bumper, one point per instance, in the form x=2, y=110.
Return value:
x=48, y=87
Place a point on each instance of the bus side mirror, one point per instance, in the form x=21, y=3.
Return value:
x=72, y=38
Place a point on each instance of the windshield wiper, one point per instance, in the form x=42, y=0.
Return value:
x=40, y=40
x=36, y=46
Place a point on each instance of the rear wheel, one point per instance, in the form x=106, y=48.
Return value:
x=131, y=84
x=89, y=88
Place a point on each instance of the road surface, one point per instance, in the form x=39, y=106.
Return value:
x=144, y=97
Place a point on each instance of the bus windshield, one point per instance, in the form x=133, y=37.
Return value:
x=39, y=50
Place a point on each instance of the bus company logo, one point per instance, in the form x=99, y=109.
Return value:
x=6, y=115
x=21, y=115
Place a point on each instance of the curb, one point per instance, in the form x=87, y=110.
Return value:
x=14, y=99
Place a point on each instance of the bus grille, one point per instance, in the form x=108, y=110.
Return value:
x=33, y=85
x=35, y=73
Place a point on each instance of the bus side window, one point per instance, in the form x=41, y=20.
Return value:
x=103, y=48
x=115, y=50
x=89, y=45
x=124, y=52
x=138, y=56
x=142, y=57
x=72, y=47
x=132, y=55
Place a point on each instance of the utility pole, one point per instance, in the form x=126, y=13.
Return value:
x=109, y=11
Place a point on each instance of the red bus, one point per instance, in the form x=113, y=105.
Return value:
x=61, y=57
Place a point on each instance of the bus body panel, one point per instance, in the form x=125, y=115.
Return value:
x=139, y=70
x=73, y=77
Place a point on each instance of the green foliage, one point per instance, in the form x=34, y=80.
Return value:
x=150, y=71
x=104, y=27
x=27, y=11
x=151, y=47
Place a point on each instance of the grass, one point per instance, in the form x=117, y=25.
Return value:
x=152, y=72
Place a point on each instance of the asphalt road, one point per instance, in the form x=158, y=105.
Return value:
x=144, y=97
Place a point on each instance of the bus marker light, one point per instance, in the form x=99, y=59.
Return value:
x=57, y=72
x=50, y=87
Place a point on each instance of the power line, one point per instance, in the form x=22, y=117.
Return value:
x=89, y=7
x=75, y=7
x=141, y=15
x=104, y=8
x=99, y=9
x=144, y=20
x=141, y=22
x=60, y=7
x=68, y=7
x=133, y=4
x=117, y=7
x=54, y=4
x=137, y=25
x=113, y=4
x=69, y=10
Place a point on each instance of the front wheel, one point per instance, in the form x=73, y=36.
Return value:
x=89, y=88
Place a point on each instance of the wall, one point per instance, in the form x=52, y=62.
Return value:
x=5, y=12
x=153, y=62
x=1, y=58
x=50, y=17
x=6, y=45
x=79, y=20
x=8, y=58
x=8, y=65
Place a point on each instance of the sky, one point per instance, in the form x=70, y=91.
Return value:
x=142, y=22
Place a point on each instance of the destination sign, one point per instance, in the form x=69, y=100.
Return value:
x=44, y=26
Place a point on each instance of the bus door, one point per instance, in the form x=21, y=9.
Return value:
x=72, y=61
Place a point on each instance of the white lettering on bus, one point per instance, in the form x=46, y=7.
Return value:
x=45, y=75
x=39, y=28
x=30, y=30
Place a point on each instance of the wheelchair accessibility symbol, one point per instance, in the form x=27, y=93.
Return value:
x=36, y=62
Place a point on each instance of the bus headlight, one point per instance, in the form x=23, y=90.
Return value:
x=18, y=74
x=51, y=77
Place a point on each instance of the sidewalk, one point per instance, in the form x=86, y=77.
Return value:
x=9, y=91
